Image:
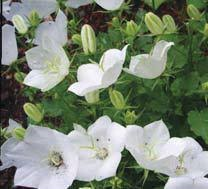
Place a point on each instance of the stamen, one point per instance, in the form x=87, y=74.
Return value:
x=55, y=159
x=102, y=153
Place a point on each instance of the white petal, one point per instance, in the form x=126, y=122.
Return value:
x=201, y=183
x=6, y=8
x=12, y=125
x=9, y=45
x=110, y=5
x=109, y=167
x=79, y=128
x=77, y=3
x=180, y=183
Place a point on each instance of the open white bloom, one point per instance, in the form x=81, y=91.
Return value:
x=6, y=8
x=151, y=146
x=95, y=76
x=187, y=183
x=9, y=146
x=42, y=7
x=99, y=149
x=150, y=66
x=9, y=45
x=54, y=30
x=107, y=4
x=192, y=161
x=49, y=64
x=46, y=159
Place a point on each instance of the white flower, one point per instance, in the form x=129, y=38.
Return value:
x=42, y=7
x=9, y=45
x=99, y=149
x=92, y=77
x=6, y=8
x=149, y=145
x=151, y=65
x=46, y=159
x=49, y=64
x=192, y=161
x=107, y=4
x=9, y=146
x=54, y=30
x=187, y=183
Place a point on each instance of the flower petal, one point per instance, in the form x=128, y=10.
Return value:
x=110, y=5
x=77, y=3
x=180, y=183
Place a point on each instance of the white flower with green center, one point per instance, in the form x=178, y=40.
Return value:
x=56, y=30
x=108, y=5
x=92, y=77
x=149, y=145
x=49, y=64
x=100, y=149
x=150, y=66
x=187, y=183
x=10, y=144
x=9, y=45
x=46, y=159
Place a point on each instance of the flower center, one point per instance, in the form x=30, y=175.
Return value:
x=102, y=153
x=55, y=159
x=180, y=169
x=149, y=151
x=53, y=64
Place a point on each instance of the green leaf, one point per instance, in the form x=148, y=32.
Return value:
x=199, y=123
x=156, y=3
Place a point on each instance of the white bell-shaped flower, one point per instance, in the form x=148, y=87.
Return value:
x=9, y=45
x=54, y=30
x=100, y=149
x=95, y=76
x=150, y=66
x=49, y=64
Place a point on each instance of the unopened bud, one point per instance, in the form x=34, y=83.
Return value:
x=132, y=28
x=19, y=24
x=169, y=24
x=206, y=30
x=88, y=39
x=117, y=99
x=33, y=111
x=115, y=22
x=154, y=23
x=193, y=12
x=18, y=133
x=92, y=97
x=34, y=18
x=130, y=117
x=205, y=86
x=76, y=39
x=19, y=76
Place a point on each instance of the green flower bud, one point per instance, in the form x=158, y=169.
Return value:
x=34, y=18
x=205, y=86
x=169, y=23
x=193, y=12
x=92, y=97
x=117, y=99
x=88, y=39
x=20, y=24
x=18, y=133
x=33, y=111
x=115, y=22
x=154, y=23
x=130, y=117
x=76, y=39
x=116, y=182
x=131, y=28
x=206, y=30
x=19, y=76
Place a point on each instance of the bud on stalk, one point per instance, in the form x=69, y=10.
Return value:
x=19, y=76
x=34, y=18
x=76, y=39
x=193, y=12
x=20, y=24
x=92, y=97
x=34, y=112
x=154, y=23
x=131, y=28
x=130, y=117
x=117, y=99
x=169, y=24
x=88, y=39
x=18, y=133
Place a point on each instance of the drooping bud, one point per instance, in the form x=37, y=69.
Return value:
x=131, y=28
x=206, y=30
x=34, y=18
x=193, y=12
x=117, y=99
x=130, y=117
x=154, y=23
x=169, y=23
x=76, y=39
x=20, y=24
x=88, y=39
x=19, y=76
x=92, y=97
x=18, y=133
x=33, y=111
